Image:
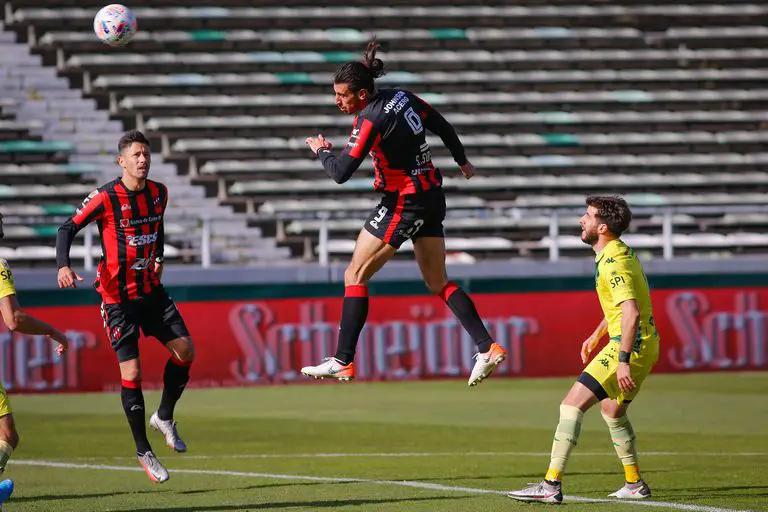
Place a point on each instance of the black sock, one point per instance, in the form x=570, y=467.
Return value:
x=175, y=378
x=354, y=311
x=464, y=309
x=133, y=405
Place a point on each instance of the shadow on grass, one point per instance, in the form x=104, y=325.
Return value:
x=305, y=505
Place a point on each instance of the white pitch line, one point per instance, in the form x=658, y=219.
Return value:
x=434, y=454
x=400, y=483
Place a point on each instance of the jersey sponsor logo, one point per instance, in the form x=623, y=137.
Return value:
x=139, y=240
x=397, y=102
x=617, y=281
x=6, y=275
x=139, y=221
x=379, y=217
x=125, y=207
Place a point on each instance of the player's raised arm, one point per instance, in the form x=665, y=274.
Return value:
x=361, y=141
x=437, y=124
x=18, y=320
x=91, y=210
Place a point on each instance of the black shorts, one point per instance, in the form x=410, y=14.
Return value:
x=398, y=218
x=156, y=315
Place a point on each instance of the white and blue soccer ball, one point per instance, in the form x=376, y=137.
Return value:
x=115, y=25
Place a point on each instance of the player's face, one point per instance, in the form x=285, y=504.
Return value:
x=348, y=101
x=590, y=226
x=135, y=160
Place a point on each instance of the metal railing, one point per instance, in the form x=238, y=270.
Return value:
x=554, y=248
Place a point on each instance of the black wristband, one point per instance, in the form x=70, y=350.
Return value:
x=624, y=356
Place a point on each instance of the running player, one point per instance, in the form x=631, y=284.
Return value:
x=129, y=212
x=615, y=375
x=16, y=320
x=390, y=125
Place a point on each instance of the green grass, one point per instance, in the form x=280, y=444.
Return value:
x=694, y=416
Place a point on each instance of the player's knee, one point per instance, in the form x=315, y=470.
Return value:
x=186, y=353
x=131, y=374
x=9, y=434
x=436, y=286
x=354, y=275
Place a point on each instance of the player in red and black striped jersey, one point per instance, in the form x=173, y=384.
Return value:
x=390, y=125
x=129, y=213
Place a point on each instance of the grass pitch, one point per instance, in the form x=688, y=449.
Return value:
x=416, y=446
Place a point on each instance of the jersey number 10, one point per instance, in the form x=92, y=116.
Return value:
x=414, y=121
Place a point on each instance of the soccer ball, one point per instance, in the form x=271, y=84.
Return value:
x=115, y=25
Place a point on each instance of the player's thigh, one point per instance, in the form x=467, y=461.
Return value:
x=5, y=404
x=8, y=432
x=370, y=254
x=580, y=396
x=121, y=325
x=430, y=255
x=397, y=218
x=162, y=320
x=130, y=370
x=600, y=374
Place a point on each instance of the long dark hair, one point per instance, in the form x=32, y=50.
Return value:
x=361, y=74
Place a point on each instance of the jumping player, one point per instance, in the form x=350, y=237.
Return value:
x=129, y=213
x=616, y=373
x=16, y=320
x=391, y=125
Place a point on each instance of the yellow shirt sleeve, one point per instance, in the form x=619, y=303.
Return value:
x=6, y=280
x=621, y=280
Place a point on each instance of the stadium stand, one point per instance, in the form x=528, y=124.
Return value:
x=663, y=102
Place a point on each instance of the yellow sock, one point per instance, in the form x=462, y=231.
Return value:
x=566, y=437
x=553, y=475
x=632, y=473
x=5, y=453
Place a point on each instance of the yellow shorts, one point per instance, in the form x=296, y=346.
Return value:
x=600, y=374
x=5, y=405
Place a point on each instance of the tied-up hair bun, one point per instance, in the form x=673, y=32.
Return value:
x=375, y=65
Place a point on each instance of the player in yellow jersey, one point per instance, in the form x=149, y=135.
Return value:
x=616, y=373
x=17, y=321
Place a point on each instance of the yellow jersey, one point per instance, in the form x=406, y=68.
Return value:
x=619, y=276
x=6, y=280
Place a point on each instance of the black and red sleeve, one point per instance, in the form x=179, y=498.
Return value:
x=437, y=124
x=92, y=209
x=160, y=245
x=364, y=136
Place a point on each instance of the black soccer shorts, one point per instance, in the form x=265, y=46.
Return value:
x=156, y=315
x=398, y=218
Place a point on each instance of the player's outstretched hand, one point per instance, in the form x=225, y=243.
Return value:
x=315, y=143
x=67, y=278
x=467, y=170
x=587, y=347
x=62, y=340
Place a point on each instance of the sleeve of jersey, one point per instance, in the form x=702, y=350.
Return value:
x=621, y=280
x=7, y=287
x=437, y=124
x=91, y=210
x=160, y=247
x=361, y=141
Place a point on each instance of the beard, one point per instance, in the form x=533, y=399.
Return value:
x=589, y=238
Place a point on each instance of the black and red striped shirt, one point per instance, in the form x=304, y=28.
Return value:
x=392, y=129
x=132, y=236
